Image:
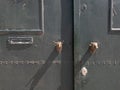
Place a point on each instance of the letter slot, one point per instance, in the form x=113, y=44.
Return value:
x=20, y=40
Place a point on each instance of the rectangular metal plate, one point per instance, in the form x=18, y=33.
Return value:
x=20, y=40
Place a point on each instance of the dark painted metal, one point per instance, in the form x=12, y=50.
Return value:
x=28, y=74
x=94, y=25
x=23, y=18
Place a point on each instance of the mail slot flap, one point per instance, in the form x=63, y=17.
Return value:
x=20, y=40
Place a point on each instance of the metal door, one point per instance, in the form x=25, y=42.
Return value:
x=31, y=57
x=97, y=46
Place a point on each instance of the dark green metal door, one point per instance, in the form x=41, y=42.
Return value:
x=97, y=46
x=30, y=55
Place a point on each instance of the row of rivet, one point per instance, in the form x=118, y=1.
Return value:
x=29, y=62
x=103, y=63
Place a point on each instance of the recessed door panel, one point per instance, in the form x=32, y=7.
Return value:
x=21, y=16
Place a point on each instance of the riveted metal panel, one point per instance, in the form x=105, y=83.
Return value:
x=30, y=61
x=92, y=24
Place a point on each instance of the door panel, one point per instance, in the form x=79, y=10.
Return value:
x=92, y=24
x=36, y=66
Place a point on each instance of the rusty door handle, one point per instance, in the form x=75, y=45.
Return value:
x=93, y=46
x=58, y=46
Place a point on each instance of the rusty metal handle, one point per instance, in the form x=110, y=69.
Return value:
x=93, y=46
x=58, y=46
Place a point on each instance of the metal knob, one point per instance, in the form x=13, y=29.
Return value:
x=58, y=45
x=84, y=71
x=93, y=46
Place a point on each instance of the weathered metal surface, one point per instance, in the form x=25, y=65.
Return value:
x=92, y=23
x=21, y=16
x=37, y=66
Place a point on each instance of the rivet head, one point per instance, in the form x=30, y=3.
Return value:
x=84, y=71
x=84, y=7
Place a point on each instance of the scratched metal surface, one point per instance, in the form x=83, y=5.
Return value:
x=38, y=66
x=91, y=24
